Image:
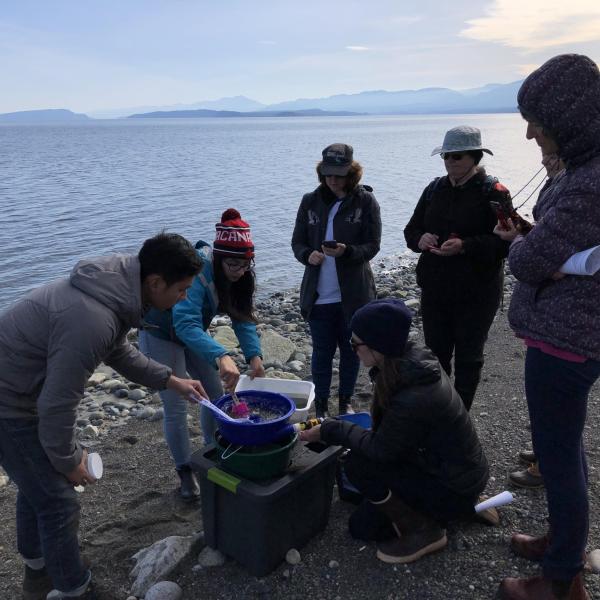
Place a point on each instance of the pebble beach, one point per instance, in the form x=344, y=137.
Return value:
x=136, y=503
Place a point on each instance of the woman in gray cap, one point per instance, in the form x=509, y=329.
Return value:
x=460, y=268
x=337, y=233
x=558, y=316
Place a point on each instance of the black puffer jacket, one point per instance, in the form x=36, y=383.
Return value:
x=426, y=424
x=356, y=224
x=463, y=210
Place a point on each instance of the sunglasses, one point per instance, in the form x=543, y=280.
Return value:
x=354, y=345
x=453, y=156
x=236, y=267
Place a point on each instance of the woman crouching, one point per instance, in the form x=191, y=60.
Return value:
x=421, y=464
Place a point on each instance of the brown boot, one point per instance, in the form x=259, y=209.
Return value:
x=529, y=478
x=36, y=584
x=540, y=588
x=528, y=546
x=418, y=534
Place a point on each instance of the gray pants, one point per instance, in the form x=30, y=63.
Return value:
x=183, y=362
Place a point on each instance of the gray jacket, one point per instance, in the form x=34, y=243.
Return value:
x=564, y=96
x=52, y=340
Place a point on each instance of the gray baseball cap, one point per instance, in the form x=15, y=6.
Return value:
x=461, y=139
x=337, y=160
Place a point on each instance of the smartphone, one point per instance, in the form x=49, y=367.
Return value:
x=330, y=244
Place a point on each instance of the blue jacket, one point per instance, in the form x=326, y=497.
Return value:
x=188, y=321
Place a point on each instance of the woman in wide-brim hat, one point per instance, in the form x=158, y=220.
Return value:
x=421, y=464
x=460, y=264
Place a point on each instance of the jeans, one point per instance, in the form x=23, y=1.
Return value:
x=460, y=326
x=411, y=484
x=329, y=330
x=183, y=362
x=557, y=392
x=47, y=505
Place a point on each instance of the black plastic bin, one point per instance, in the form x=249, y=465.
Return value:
x=257, y=522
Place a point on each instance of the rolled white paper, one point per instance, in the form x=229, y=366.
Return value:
x=498, y=500
x=586, y=262
x=94, y=465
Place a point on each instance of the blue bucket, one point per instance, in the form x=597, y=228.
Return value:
x=249, y=433
x=361, y=418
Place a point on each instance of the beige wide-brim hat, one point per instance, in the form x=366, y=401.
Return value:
x=461, y=139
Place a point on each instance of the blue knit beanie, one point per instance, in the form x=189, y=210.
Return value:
x=383, y=325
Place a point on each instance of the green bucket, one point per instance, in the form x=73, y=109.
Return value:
x=255, y=462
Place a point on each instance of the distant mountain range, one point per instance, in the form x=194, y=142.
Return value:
x=491, y=98
x=51, y=115
x=191, y=114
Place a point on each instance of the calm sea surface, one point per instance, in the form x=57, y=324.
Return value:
x=81, y=190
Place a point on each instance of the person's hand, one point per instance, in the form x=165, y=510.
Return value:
x=80, y=475
x=508, y=235
x=311, y=435
x=186, y=387
x=428, y=241
x=228, y=372
x=450, y=247
x=315, y=258
x=256, y=367
x=334, y=252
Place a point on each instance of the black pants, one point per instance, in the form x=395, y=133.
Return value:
x=420, y=491
x=460, y=326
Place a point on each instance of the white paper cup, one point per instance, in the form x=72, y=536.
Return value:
x=94, y=465
x=498, y=500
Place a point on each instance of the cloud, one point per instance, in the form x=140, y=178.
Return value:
x=357, y=48
x=267, y=42
x=537, y=24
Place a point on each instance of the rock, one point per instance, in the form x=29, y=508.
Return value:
x=211, y=557
x=334, y=564
x=96, y=379
x=155, y=562
x=164, y=590
x=226, y=337
x=91, y=431
x=83, y=422
x=276, y=347
x=136, y=395
x=299, y=356
x=131, y=598
x=131, y=439
x=293, y=557
x=3, y=481
x=594, y=560
x=295, y=366
x=121, y=393
x=413, y=303
x=96, y=416
x=283, y=375
x=146, y=413
x=108, y=384
x=158, y=415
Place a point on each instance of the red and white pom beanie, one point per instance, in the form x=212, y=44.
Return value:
x=233, y=236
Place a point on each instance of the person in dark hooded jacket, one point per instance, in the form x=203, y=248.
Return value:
x=50, y=343
x=558, y=316
x=421, y=464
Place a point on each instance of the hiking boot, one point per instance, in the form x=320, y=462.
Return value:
x=529, y=546
x=36, y=584
x=86, y=592
x=190, y=490
x=345, y=405
x=527, y=457
x=322, y=408
x=540, y=588
x=529, y=478
x=417, y=534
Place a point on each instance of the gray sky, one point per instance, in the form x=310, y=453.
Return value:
x=90, y=55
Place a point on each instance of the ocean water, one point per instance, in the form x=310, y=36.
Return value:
x=81, y=190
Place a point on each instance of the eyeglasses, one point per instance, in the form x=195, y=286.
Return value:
x=452, y=155
x=236, y=267
x=354, y=345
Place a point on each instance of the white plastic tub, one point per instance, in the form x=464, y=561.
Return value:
x=302, y=393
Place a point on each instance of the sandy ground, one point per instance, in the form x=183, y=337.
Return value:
x=136, y=504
